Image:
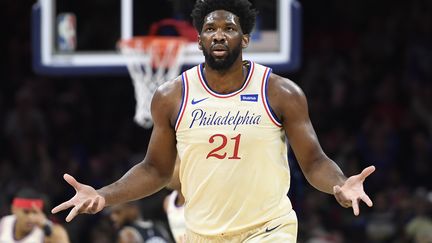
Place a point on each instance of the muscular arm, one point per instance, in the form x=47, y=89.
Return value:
x=289, y=103
x=174, y=184
x=155, y=171
x=145, y=178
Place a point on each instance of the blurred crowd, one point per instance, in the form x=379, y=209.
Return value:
x=366, y=70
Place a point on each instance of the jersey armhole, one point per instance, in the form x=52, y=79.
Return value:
x=267, y=107
x=185, y=97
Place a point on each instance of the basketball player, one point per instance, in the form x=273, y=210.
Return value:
x=133, y=229
x=230, y=121
x=28, y=223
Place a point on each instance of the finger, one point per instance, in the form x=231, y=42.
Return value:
x=365, y=198
x=72, y=214
x=338, y=193
x=75, y=211
x=84, y=207
x=74, y=183
x=367, y=171
x=355, y=206
x=339, y=197
x=95, y=205
x=345, y=204
x=62, y=207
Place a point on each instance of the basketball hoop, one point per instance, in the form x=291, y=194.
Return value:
x=151, y=61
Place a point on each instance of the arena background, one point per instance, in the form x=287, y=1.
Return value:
x=366, y=70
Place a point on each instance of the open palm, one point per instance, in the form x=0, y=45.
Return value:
x=351, y=192
x=86, y=200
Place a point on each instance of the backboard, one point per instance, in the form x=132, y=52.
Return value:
x=72, y=37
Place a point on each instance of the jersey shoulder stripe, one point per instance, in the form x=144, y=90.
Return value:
x=268, y=109
x=185, y=98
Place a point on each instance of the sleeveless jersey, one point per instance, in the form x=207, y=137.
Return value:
x=234, y=168
x=7, y=225
x=175, y=215
x=148, y=232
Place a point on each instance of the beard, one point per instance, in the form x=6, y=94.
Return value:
x=221, y=64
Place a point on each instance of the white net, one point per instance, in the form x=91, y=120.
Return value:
x=151, y=61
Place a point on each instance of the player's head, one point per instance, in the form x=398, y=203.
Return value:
x=25, y=206
x=124, y=214
x=240, y=8
x=224, y=27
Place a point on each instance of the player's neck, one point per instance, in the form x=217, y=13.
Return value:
x=19, y=234
x=228, y=80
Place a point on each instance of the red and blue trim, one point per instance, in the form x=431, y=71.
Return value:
x=185, y=98
x=204, y=83
x=267, y=106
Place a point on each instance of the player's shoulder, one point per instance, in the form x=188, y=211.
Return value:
x=169, y=92
x=7, y=218
x=170, y=87
x=285, y=97
x=166, y=99
x=282, y=86
x=2, y=222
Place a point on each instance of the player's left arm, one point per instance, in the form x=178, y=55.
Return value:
x=289, y=103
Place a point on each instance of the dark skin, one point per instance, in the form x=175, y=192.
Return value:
x=221, y=33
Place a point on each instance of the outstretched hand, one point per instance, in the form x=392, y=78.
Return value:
x=351, y=192
x=86, y=200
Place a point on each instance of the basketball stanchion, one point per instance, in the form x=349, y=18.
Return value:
x=151, y=61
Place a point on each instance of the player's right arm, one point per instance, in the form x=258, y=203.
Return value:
x=145, y=178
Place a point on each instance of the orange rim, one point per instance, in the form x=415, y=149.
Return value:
x=159, y=46
x=143, y=42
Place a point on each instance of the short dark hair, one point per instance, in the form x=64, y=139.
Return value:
x=241, y=8
x=28, y=193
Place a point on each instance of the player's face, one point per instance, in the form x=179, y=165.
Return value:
x=222, y=39
x=26, y=219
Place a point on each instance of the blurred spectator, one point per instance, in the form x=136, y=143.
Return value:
x=26, y=132
x=419, y=228
x=28, y=223
x=131, y=228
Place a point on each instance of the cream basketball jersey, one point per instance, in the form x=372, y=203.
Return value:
x=7, y=226
x=234, y=170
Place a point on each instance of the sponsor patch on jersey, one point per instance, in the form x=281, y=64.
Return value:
x=249, y=97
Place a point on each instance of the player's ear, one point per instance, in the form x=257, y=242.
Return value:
x=13, y=210
x=245, y=40
x=199, y=43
